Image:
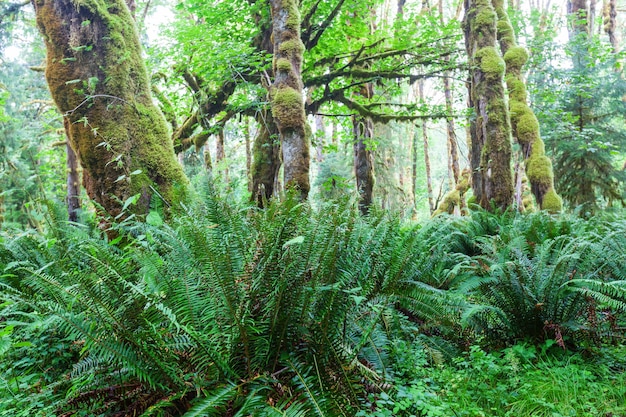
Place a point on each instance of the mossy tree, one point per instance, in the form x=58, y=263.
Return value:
x=525, y=126
x=490, y=129
x=286, y=94
x=265, y=158
x=99, y=82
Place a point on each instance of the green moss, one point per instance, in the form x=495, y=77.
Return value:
x=283, y=64
x=293, y=14
x=527, y=127
x=490, y=62
x=291, y=47
x=486, y=16
x=516, y=57
x=517, y=88
x=539, y=170
x=287, y=107
x=552, y=202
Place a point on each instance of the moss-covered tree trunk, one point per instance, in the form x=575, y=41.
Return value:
x=363, y=161
x=286, y=94
x=265, y=159
x=99, y=82
x=524, y=124
x=609, y=14
x=491, y=136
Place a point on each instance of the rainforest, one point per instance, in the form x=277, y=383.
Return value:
x=312, y=208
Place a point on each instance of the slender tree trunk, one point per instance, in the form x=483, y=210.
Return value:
x=453, y=153
x=286, y=94
x=265, y=159
x=99, y=82
x=492, y=127
x=73, y=184
x=414, y=170
x=429, y=179
x=524, y=124
x=363, y=162
x=320, y=137
x=246, y=136
x=220, y=154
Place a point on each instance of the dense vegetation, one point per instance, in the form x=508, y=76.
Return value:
x=292, y=311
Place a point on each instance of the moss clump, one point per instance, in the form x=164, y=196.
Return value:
x=283, y=64
x=552, y=202
x=292, y=47
x=539, y=170
x=490, y=62
x=516, y=57
x=293, y=14
x=486, y=16
x=287, y=108
x=517, y=88
x=527, y=127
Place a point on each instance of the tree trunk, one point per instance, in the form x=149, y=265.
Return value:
x=246, y=136
x=220, y=154
x=610, y=23
x=286, y=94
x=453, y=153
x=491, y=139
x=414, y=172
x=73, y=184
x=99, y=82
x=265, y=159
x=363, y=162
x=524, y=124
x=429, y=179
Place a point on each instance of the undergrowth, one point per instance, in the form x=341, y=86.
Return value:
x=290, y=311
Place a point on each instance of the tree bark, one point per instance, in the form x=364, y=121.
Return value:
x=610, y=23
x=286, y=94
x=491, y=139
x=73, y=184
x=99, y=82
x=363, y=162
x=429, y=179
x=525, y=126
x=265, y=159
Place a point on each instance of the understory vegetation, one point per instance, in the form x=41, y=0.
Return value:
x=297, y=311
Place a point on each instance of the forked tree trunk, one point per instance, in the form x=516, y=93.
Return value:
x=524, y=124
x=99, y=82
x=491, y=138
x=286, y=94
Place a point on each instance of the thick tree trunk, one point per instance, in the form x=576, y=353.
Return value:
x=265, y=159
x=99, y=82
x=524, y=124
x=286, y=94
x=363, y=162
x=73, y=184
x=492, y=127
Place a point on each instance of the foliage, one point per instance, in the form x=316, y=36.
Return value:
x=221, y=311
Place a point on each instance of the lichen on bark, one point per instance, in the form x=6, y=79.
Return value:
x=99, y=82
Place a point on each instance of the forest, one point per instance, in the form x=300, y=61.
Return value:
x=312, y=208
